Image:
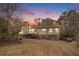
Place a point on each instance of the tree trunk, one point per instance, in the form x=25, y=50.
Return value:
x=47, y=34
x=77, y=40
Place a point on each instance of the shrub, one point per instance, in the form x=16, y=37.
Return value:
x=9, y=36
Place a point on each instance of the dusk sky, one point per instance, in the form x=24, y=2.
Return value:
x=44, y=10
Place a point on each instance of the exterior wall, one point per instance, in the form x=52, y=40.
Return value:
x=53, y=34
x=51, y=31
x=43, y=31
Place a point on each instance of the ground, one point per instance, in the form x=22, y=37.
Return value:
x=34, y=47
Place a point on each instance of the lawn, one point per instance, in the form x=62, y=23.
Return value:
x=33, y=47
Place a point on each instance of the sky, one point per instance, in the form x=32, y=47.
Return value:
x=44, y=10
x=30, y=11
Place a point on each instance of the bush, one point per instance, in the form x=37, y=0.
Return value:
x=9, y=37
x=66, y=36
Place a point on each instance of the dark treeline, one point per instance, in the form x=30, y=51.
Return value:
x=69, y=24
x=10, y=24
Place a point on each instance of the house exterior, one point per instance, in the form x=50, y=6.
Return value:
x=27, y=29
x=47, y=27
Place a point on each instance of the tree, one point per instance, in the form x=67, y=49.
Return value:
x=71, y=24
x=3, y=25
x=7, y=19
x=16, y=26
x=73, y=19
x=7, y=11
x=62, y=22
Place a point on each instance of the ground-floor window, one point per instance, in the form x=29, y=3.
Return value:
x=31, y=30
x=57, y=30
x=43, y=30
x=50, y=30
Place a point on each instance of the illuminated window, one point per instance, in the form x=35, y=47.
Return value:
x=31, y=30
x=43, y=29
x=21, y=32
x=50, y=30
x=29, y=26
x=56, y=29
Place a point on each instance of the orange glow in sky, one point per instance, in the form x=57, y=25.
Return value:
x=31, y=22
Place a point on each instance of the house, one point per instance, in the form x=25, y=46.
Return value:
x=27, y=28
x=49, y=24
x=47, y=27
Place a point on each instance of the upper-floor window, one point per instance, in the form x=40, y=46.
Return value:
x=29, y=26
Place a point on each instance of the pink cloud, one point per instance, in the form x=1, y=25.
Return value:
x=25, y=11
x=51, y=14
x=35, y=13
x=31, y=22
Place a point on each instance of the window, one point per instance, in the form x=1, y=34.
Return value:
x=21, y=32
x=29, y=26
x=50, y=30
x=43, y=30
x=31, y=30
x=56, y=29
